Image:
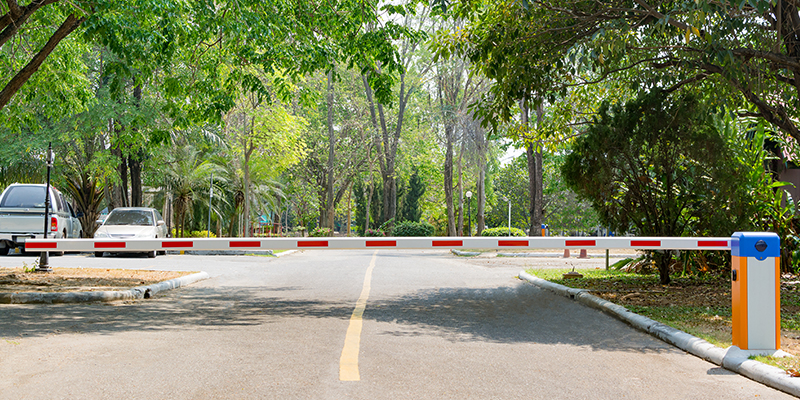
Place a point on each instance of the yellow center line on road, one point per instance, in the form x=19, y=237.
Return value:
x=348, y=363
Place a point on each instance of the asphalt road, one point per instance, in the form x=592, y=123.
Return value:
x=435, y=326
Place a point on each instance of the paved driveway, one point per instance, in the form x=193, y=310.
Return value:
x=434, y=326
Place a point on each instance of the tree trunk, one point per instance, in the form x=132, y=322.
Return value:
x=480, y=219
x=460, y=185
x=538, y=190
x=135, y=160
x=534, y=157
x=249, y=147
x=662, y=259
x=448, y=180
x=369, y=204
x=330, y=206
x=387, y=144
x=119, y=192
x=136, y=181
x=349, y=211
x=480, y=187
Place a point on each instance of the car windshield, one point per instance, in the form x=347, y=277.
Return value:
x=129, y=217
x=24, y=197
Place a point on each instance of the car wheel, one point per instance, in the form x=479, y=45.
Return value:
x=98, y=254
x=151, y=254
x=4, y=251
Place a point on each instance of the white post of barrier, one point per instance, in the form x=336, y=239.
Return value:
x=755, y=291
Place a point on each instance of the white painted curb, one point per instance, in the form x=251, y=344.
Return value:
x=139, y=292
x=285, y=253
x=465, y=253
x=731, y=358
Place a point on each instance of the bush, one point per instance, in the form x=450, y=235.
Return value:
x=410, y=228
x=194, y=234
x=502, y=232
x=320, y=232
x=374, y=233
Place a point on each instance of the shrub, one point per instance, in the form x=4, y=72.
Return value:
x=502, y=232
x=374, y=233
x=410, y=228
x=194, y=234
x=320, y=232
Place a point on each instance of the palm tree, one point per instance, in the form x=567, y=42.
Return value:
x=265, y=193
x=186, y=175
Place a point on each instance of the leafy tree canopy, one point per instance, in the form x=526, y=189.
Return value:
x=657, y=166
x=746, y=51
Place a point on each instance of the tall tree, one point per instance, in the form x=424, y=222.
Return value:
x=659, y=167
x=387, y=132
x=263, y=130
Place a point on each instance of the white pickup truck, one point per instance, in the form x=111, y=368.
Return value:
x=22, y=216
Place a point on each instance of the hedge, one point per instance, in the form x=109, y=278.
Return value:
x=502, y=232
x=410, y=228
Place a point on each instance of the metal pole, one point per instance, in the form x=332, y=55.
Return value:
x=210, y=200
x=509, y=217
x=44, y=257
x=469, y=216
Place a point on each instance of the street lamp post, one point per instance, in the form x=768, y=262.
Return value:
x=509, y=217
x=44, y=257
x=469, y=213
x=509, y=214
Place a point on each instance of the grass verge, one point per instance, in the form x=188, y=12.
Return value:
x=699, y=305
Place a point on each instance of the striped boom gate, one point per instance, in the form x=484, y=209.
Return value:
x=349, y=243
x=755, y=271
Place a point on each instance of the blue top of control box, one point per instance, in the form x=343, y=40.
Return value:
x=755, y=244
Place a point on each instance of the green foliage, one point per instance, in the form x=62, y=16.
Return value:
x=374, y=233
x=410, y=211
x=511, y=182
x=387, y=226
x=410, y=228
x=564, y=212
x=320, y=232
x=730, y=49
x=195, y=234
x=658, y=167
x=504, y=231
x=773, y=208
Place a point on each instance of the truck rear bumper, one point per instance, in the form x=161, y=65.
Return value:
x=11, y=240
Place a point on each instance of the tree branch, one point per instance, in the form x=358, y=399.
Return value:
x=696, y=78
x=13, y=86
x=614, y=71
x=16, y=17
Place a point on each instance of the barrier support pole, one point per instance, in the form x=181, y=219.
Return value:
x=755, y=291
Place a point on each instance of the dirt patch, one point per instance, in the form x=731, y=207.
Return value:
x=15, y=280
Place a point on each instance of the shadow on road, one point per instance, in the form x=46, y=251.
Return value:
x=521, y=314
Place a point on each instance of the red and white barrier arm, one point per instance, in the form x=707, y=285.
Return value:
x=501, y=243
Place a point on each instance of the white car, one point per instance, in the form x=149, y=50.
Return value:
x=132, y=222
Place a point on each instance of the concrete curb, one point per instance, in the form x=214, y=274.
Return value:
x=731, y=358
x=556, y=255
x=550, y=255
x=139, y=292
x=221, y=252
x=465, y=253
x=285, y=253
